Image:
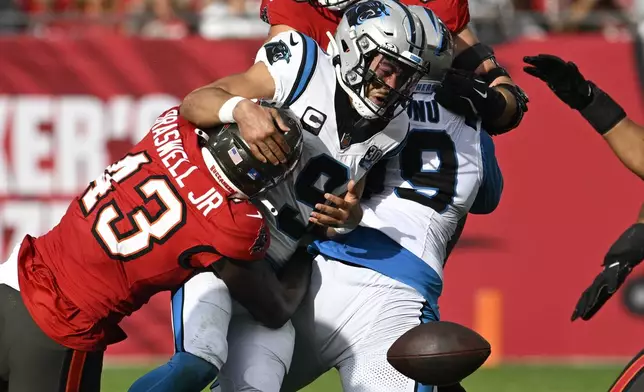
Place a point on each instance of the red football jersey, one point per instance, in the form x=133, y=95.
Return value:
x=314, y=20
x=143, y=227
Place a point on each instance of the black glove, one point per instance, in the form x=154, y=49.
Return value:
x=563, y=78
x=626, y=253
x=468, y=95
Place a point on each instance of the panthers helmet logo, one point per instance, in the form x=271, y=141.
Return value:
x=276, y=51
x=364, y=11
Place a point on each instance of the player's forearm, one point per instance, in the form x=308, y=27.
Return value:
x=269, y=299
x=509, y=116
x=475, y=57
x=294, y=278
x=464, y=41
x=201, y=107
x=510, y=113
x=626, y=139
x=608, y=118
x=282, y=302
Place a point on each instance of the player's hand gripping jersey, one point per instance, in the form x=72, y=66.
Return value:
x=142, y=227
x=335, y=149
x=315, y=20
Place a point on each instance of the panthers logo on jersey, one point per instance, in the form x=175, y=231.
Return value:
x=276, y=51
x=368, y=10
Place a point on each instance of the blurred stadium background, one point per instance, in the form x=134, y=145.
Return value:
x=81, y=80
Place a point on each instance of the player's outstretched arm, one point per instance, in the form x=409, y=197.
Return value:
x=271, y=300
x=627, y=141
x=625, y=137
x=202, y=106
x=485, y=85
x=228, y=100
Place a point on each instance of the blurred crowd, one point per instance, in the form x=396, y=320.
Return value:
x=494, y=20
x=499, y=20
x=168, y=19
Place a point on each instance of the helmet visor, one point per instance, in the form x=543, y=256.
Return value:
x=389, y=82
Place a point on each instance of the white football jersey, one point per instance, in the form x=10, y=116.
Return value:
x=334, y=151
x=432, y=183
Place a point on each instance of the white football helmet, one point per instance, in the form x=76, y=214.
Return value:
x=379, y=55
x=439, y=52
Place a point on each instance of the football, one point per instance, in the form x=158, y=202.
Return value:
x=439, y=353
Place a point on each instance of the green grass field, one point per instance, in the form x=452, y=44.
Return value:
x=507, y=378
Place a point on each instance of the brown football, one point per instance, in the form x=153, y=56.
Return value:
x=439, y=353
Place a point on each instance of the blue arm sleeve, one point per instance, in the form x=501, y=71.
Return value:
x=489, y=194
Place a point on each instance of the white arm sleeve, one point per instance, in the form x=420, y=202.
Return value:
x=291, y=58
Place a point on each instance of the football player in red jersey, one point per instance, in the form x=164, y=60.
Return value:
x=171, y=207
x=478, y=80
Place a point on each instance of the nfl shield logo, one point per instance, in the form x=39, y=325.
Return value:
x=346, y=141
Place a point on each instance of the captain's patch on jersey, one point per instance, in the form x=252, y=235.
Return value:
x=313, y=120
x=372, y=156
x=276, y=51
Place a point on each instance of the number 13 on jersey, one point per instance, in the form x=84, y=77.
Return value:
x=147, y=228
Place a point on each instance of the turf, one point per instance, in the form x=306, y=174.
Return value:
x=506, y=378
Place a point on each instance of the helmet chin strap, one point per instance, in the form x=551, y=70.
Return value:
x=358, y=104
